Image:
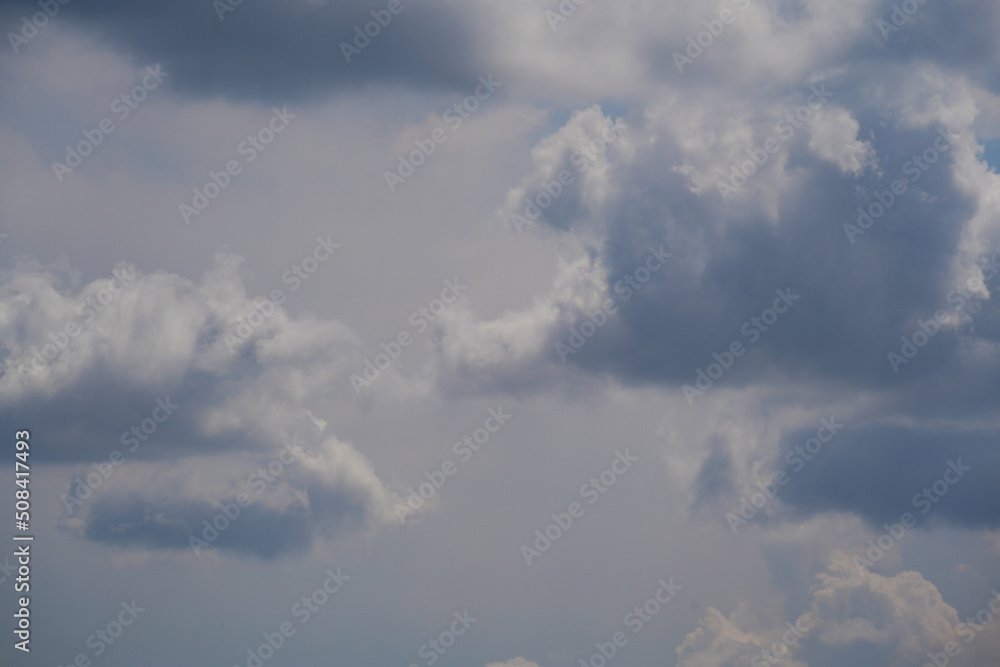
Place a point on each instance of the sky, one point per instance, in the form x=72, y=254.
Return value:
x=530, y=333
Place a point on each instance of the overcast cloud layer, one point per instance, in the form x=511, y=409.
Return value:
x=514, y=334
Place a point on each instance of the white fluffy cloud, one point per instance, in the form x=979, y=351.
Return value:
x=169, y=341
x=898, y=620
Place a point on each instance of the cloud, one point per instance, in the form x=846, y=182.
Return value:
x=923, y=269
x=269, y=52
x=516, y=662
x=718, y=642
x=113, y=346
x=151, y=367
x=879, y=472
x=715, y=475
x=571, y=181
x=834, y=137
x=851, y=616
x=856, y=299
x=610, y=153
x=323, y=491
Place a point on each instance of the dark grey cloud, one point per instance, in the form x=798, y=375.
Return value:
x=959, y=35
x=285, y=50
x=862, y=292
x=877, y=472
x=301, y=494
x=97, y=415
x=856, y=300
x=135, y=522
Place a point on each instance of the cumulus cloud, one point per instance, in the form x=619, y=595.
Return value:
x=834, y=137
x=199, y=374
x=815, y=216
x=278, y=507
x=876, y=205
x=851, y=614
x=571, y=181
x=508, y=352
x=137, y=337
x=716, y=241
